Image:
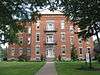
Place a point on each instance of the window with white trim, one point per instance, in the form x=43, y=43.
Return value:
x=29, y=40
x=29, y=30
x=38, y=25
x=62, y=24
x=29, y=50
x=63, y=37
x=80, y=50
x=71, y=40
x=37, y=49
x=71, y=30
x=50, y=26
x=20, y=51
x=37, y=37
x=80, y=42
x=50, y=38
x=13, y=51
x=21, y=40
x=63, y=49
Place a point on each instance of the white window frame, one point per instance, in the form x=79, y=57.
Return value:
x=50, y=40
x=37, y=46
x=71, y=30
x=37, y=37
x=71, y=40
x=29, y=40
x=80, y=51
x=63, y=37
x=48, y=27
x=63, y=46
x=12, y=51
x=20, y=51
x=29, y=30
x=62, y=24
x=38, y=25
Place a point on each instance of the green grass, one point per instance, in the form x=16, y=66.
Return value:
x=71, y=68
x=20, y=68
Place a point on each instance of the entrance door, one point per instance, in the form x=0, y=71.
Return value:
x=50, y=53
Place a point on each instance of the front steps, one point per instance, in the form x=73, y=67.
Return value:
x=49, y=59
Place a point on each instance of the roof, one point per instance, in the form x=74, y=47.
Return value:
x=47, y=12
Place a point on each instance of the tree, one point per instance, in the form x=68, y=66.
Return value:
x=85, y=13
x=12, y=11
x=73, y=53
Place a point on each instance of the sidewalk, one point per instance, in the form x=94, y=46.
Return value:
x=47, y=69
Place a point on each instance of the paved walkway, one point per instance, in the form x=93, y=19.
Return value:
x=47, y=69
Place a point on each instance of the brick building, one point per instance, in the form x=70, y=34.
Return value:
x=51, y=36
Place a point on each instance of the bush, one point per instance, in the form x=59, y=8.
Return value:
x=59, y=58
x=74, y=54
x=43, y=58
x=98, y=57
x=23, y=58
x=5, y=59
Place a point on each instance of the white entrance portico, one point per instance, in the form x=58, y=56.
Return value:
x=50, y=52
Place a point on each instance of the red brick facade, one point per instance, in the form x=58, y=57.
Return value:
x=53, y=35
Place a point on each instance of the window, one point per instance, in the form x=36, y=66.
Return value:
x=37, y=37
x=50, y=38
x=88, y=50
x=29, y=30
x=28, y=50
x=80, y=50
x=72, y=40
x=38, y=25
x=63, y=37
x=63, y=49
x=71, y=29
x=20, y=51
x=37, y=49
x=50, y=26
x=13, y=51
x=88, y=41
x=62, y=24
x=29, y=40
x=80, y=42
x=20, y=40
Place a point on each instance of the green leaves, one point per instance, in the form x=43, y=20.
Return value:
x=85, y=13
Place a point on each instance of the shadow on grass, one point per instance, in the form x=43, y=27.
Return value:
x=86, y=68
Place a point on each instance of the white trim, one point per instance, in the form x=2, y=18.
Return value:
x=36, y=36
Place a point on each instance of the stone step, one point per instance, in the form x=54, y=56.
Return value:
x=50, y=59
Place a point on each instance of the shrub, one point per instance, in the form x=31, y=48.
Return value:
x=98, y=57
x=23, y=58
x=59, y=58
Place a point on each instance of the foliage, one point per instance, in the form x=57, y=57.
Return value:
x=73, y=53
x=12, y=11
x=98, y=57
x=85, y=13
x=59, y=58
x=42, y=58
x=23, y=57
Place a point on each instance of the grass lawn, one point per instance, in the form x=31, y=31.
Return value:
x=20, y=68
x=71, y=68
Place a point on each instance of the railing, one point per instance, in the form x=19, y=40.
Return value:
x=50, y=43
x=50, y=30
